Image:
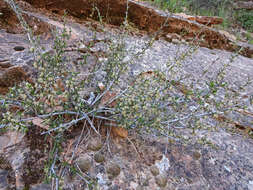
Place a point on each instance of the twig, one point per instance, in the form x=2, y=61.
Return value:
x=91, y=124
x=65, y=125
x=9, y=102
x=101, y=95
x=51, y=114
x=116, y=97
x=188, y=116
x=78, y=142
x=134, y=147
x=107, y=139
x=53, y=172
x=104, y=118
x=82, y=174
x=3, y=126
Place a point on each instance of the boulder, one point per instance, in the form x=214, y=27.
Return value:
x=145, y=18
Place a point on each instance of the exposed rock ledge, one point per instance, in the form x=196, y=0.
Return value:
x=157, y=163
x=146, y=18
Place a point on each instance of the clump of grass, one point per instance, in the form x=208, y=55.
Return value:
x=173, y=5
x=245, y=19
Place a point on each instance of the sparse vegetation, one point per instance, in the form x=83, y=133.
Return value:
x=245, y=18
x=221, y=8
x=158, y=102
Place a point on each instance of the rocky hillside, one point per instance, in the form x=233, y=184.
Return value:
x=92, y=154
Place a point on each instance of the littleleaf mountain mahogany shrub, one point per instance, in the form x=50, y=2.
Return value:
x=158, y=100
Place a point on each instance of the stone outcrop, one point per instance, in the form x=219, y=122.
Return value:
x=138, y=162
x=205, y=20
x=145, y=18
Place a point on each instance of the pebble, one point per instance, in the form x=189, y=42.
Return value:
x=95, y=144
x=113, y=170
x=154, y=170
x=161, y=180
x=196, y=155
x=99, y=158
x=84, y=163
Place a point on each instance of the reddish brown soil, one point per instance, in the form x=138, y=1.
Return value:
x=143, y=17
x=10, y=22
x=8, y=19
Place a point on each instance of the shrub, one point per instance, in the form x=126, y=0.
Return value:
x=147, y=101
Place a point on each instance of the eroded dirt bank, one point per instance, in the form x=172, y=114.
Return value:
x=148, y=19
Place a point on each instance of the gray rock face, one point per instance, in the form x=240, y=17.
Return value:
x=227, y=165
x=3, y=180
x=40, y=187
